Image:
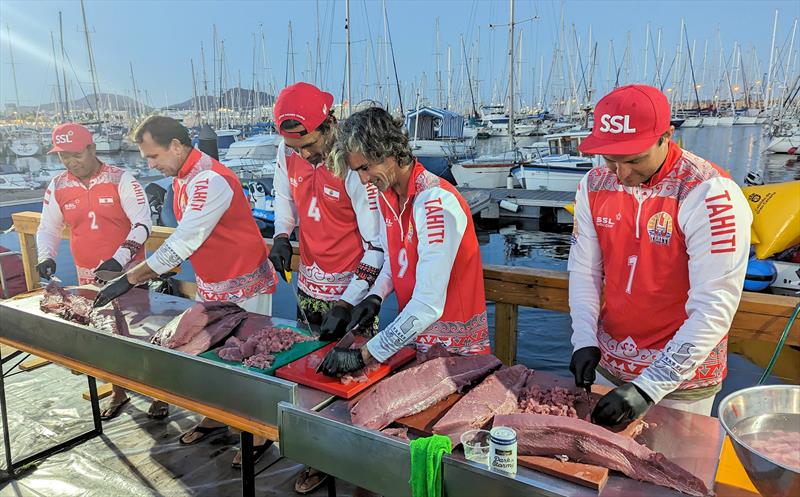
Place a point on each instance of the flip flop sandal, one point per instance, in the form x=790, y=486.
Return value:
x=113, y=410
x=160, y=413
x=258, y=453
x=203, y=431
x=301, y=485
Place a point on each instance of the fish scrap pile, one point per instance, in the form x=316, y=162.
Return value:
x=259, y=349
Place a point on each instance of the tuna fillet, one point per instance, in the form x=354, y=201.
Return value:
x=581, y=441
x=497, y=394
x=200, y=327
x=415, y=389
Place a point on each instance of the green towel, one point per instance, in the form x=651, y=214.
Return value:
x=426, y=465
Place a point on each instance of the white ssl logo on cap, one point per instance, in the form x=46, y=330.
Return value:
x=616, y=124
x=65, y=138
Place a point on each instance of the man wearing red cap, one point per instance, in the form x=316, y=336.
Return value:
x=664, y=236
x=108, y=215
x=340, y=255
x=216, y=232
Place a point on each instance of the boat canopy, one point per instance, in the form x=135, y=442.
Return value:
x=434, y=123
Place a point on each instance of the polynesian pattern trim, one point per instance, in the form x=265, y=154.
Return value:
x=367, y=273
x=107, y=175
x=85, y=275
x=204, y=163
x=425, y=180
x=321, y=285
x=463, y=338
x=261, y=280
x=689, y=172
x=626, y=361
x=132, y=246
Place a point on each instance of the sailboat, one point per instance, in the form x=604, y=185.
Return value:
x=25, y=142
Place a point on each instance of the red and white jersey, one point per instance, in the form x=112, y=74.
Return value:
x=217, y=233
x=109, y=218
x=434, y=268
x=340, y=253
x=670, y=258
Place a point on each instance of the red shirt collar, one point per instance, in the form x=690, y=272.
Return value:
x=190, y=162
x=674, y=153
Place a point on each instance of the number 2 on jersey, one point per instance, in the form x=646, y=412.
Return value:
x=313, y=209
x=93, y=217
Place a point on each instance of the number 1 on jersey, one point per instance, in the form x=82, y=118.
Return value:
x=632, y=263
x=313, y=209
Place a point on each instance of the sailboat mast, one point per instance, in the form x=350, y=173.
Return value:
x=347, y=55
x=13, y=66
x=767, y=87
x=136, y=90
x=58, y=83
x=63, y=66
x=511, y=75
x=92, y=69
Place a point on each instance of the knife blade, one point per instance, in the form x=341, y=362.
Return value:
x=105, y=275
x=288, y=275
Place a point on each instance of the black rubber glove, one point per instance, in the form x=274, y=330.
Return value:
x=582, y=366
x=621, y=406
x=342, y=361
x=334, y=324
x=46, y=268
x=112, y=290
x=281, y=255
x=363, y=314
x=111, y=265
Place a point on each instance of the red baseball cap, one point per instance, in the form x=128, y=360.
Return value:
x=304, y=103
x=70, y=137
x=628, y=121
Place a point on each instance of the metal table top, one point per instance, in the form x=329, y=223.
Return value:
x=230, y=388
x=692, y=441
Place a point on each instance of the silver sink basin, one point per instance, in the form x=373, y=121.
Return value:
x=764, y=425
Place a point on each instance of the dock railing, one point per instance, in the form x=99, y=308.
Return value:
x=760, y=316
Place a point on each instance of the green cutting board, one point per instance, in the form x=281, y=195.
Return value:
x=297, y=351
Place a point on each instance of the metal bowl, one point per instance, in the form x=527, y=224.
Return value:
x=750, y=411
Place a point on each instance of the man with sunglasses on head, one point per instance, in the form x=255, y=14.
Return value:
x=663, y=235
x=337, y=220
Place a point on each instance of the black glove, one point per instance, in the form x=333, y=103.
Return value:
x=111, y=265
x=363, y=314
x=621, y=406
x=112, y=290
x=281, y=255
x=334, y=324
x=582, y=366
x=342, y=361
x=46, y=268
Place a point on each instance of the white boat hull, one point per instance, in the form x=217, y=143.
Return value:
x=481, y=175
x=745, y=120
x=692, y=122
x=725, y=121
x=107, y=145
x=710, y=121
x=24, y=147
x=537, y=178
x=785, y=144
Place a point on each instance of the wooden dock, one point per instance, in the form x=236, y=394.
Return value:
x=493, y=203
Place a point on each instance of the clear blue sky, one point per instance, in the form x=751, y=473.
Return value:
x=160, y=38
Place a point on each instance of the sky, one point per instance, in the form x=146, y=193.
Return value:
x=161, y=38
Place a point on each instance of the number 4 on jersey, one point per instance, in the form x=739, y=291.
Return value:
x=313, y=209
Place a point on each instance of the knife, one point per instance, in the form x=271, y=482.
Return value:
x=288, y=275
x=105, y=275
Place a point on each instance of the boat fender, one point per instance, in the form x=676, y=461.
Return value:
x=760, y=274
x=776, y=216
x=509, y=206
